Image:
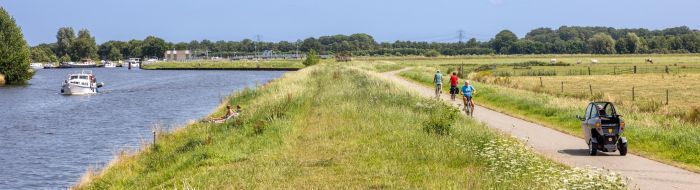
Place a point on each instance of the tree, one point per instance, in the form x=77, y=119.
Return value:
x=432, y=53
x=83, y=47
x=506, y=39
x=53, y=58
x=621, y=46
x=181, y=46
x=65, y=59
x=311, y=58
x=14, y=53
x=633, y=43
x=64, y=38
x=309, y=44
x=114, y=54
x=154, y=46
x=601, y=43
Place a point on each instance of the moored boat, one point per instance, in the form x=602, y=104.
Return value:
x=83, y=83
x=85, y=63
x=109, y=64
x=36, y=66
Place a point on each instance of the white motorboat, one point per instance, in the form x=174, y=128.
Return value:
x=109, y=64
x=85, y=63
x=36, y=66
x=135, y=62
x=83, y=83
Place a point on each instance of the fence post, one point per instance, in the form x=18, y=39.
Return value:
x=635, y=69
x=562, y=86
x=666, y=72
x=633, y=93
x=540, y=81
x=589, y=70
x=667, y=97
x=614, y=70
x=591, y=88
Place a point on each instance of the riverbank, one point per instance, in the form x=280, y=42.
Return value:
x=359, y=131
x=261, y=65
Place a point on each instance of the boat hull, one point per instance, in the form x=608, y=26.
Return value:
x=73, y=89
x=77, y=66
x=36, y=67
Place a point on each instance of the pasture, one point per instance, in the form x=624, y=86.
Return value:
x=667, y=133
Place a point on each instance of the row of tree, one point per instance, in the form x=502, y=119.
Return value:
x=564, y=40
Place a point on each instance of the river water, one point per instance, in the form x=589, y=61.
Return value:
x=48, y=140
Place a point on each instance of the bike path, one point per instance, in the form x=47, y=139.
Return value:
x=571, y=150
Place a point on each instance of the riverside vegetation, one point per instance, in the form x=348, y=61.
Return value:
x=273, y=63
x=340, y=126
x=667, y=133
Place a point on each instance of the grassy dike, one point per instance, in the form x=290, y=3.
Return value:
x=651, y=135
x=333, y=126
x=228, y=64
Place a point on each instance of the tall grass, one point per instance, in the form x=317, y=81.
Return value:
x=359, y=131
x=653, y=135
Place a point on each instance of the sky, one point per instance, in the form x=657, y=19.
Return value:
x=387, y=21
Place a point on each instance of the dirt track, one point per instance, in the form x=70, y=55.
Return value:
x=573, y=151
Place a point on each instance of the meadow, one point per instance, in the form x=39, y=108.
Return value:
x=360, y=131
x=225, y=63
x=667, y=133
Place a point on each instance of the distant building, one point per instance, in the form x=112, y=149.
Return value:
x=177, y=55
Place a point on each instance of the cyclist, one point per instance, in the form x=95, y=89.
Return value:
x=467, y=92
x=453, y=83
x=438, y=83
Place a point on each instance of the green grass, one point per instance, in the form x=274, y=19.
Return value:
x=360, y=131
x=273, y=63
x=653, y=135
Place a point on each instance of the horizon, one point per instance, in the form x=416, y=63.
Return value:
x=385, y=22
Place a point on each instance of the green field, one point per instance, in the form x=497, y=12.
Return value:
x=272, y=63
x=667, y=133
x=360, y=131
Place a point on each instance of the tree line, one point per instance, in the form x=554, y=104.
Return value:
x=564, y=40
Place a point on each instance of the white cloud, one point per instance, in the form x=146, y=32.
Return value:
x=496, y=2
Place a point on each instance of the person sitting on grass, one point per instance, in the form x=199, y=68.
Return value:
x=229, y=113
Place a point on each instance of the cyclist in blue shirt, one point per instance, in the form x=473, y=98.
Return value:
x=467, y=92
x=438, y=83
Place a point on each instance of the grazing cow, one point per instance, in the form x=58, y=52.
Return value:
x=553, y=61
x=578, y=62
x=593, y=61
x=648, y=60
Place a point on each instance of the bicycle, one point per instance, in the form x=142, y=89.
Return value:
x=438, y=91
x=453, y=93
x=468, y=109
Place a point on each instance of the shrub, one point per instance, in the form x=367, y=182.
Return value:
x=311, y=59
x=432, y=53
x=482, y=76
x=440, y=120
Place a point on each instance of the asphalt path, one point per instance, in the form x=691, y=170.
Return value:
x=571, y=150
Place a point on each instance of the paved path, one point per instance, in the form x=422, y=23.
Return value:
x=573, y=151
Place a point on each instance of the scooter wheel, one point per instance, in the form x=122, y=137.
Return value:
x=623, y=149
x=593, y=149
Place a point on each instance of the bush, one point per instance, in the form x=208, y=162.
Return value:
x=440, y=121
x=311, y=59
x=432, y=53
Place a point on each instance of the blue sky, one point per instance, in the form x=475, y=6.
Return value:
x=387, y=21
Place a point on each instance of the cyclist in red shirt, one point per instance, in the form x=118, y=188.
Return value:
x=453, y=80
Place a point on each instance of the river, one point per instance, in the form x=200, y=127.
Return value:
x=48, y=140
